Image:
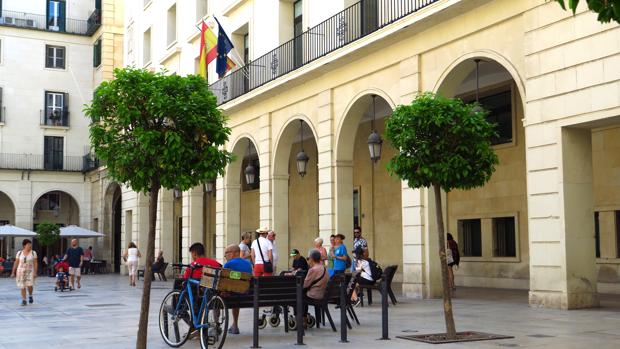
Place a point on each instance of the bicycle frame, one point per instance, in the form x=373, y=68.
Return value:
x=187, y=291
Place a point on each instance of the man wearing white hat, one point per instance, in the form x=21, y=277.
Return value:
x=262, y=254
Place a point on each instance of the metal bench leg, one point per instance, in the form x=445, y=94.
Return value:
x=369, y=291
x=317, y=316
x=285, y=314
x=392, y=297
x=329, y=317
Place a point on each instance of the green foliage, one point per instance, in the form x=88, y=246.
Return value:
x=48, y=233
x=442, y=142
x=608, y=10
x=157, y=129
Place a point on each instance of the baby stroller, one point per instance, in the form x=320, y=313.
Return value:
x=62, y=277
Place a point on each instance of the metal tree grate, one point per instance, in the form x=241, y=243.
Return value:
x=467, y=336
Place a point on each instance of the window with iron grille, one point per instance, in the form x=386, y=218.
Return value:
x=470, y=237
x=54, y=57
x=504, y=237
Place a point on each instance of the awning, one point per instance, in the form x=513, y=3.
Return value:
x=11, y=230
x=78, y=232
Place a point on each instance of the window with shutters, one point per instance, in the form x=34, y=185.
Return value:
x=2, y=108
x=146, y=47
x=97, y=53
x=54, y=57
x=56, y=111
x=53, y=153
x=56, y=15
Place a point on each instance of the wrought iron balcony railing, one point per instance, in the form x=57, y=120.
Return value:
x=59, y=24
x=56, y=117
x=50, y=162
x=347, y=26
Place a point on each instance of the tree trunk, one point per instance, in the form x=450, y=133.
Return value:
x=447, y=297
x=148, y=274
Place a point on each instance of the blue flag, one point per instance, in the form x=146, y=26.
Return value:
x=224, y=45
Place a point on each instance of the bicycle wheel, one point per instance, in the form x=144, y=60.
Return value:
x=217, y=318
x=174, y=325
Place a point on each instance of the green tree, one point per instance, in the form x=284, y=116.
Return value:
x=446, y=144
x=607, y=10
x=155, y=130
x=47, y=233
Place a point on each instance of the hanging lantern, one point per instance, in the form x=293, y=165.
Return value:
x=302, y=158
x=177, y=193
x=374, y=140
x=250, y=170
x=208, y=186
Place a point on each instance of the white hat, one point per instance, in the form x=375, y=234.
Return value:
x=263, y=230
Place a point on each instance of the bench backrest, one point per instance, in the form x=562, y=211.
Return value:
x=162, y=268
x=389, y=272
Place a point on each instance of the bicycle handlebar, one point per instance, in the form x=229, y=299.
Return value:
x=195, y=266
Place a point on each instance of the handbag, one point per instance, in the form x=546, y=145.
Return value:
x=449, y=257
x=267, y=265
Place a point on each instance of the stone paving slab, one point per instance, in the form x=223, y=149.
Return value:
x=105, y=312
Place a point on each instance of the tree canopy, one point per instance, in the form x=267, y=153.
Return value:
x=442, y=142
x=47, y=233
x=607, y=10
x=149, y=126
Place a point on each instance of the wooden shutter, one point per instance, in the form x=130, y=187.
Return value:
x=65, y=109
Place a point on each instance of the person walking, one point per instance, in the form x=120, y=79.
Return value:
x=235, y=262
x=75, y=256
x=244, y=246
x=271, y=236
x=262, y=254
x=88, y=256
x=358, y=242
x=25, y=270
x=131, y=256
x=339, y=254
x=453, y=258
x=318, y=245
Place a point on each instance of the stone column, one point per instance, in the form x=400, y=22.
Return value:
x=221, y=198
x=192, y=212
x=326, y=175
x=280, y=217
x=165, y=225
x=264, y=158
x=561, y=228
x=227, y=232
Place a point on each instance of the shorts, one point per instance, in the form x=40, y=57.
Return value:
x=363, y=281
x=452, y=264
x=260, y=271
x=75, y=271
x=132, y=267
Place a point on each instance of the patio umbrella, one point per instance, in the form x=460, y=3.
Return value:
x=11, y=230
x=8, y=231
x=78, y=232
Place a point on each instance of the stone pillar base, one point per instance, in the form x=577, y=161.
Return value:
x=562, y=300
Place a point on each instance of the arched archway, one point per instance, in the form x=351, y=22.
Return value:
x=491, y=223
x=367, y=196
x=295, y=197
x=112, y=242
x=55, y=206
x=242, y=196
x=7, y=216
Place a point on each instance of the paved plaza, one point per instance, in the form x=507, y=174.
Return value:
x=104, y=314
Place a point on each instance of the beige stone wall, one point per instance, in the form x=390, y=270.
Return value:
x=606, y=168
x=303, y=214
x=503, y=196
x=381, y=220
x=248, y=213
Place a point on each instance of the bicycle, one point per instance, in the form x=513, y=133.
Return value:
x=178, y=315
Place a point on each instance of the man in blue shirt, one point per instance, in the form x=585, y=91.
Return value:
x=236, y=263
x=75, y=256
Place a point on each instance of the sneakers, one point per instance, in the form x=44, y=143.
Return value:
x=24, y=302
x=30, y=300
x=233, y=330
x=357, y=302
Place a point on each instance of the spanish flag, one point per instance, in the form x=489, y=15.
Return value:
x=208, y=48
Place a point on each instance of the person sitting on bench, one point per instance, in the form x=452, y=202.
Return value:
x=316, y=280
x=197, y=251
x=236, y=263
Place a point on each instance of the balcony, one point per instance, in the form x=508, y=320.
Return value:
x=57, y=117
x=82, y=164
x=39, y=22
x=347, y=26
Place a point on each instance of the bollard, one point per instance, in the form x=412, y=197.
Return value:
x=384, y=310
x=255, y=301
x=300, y=309
x=343, y=309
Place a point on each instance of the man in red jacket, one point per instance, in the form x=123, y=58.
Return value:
x=197, y=251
